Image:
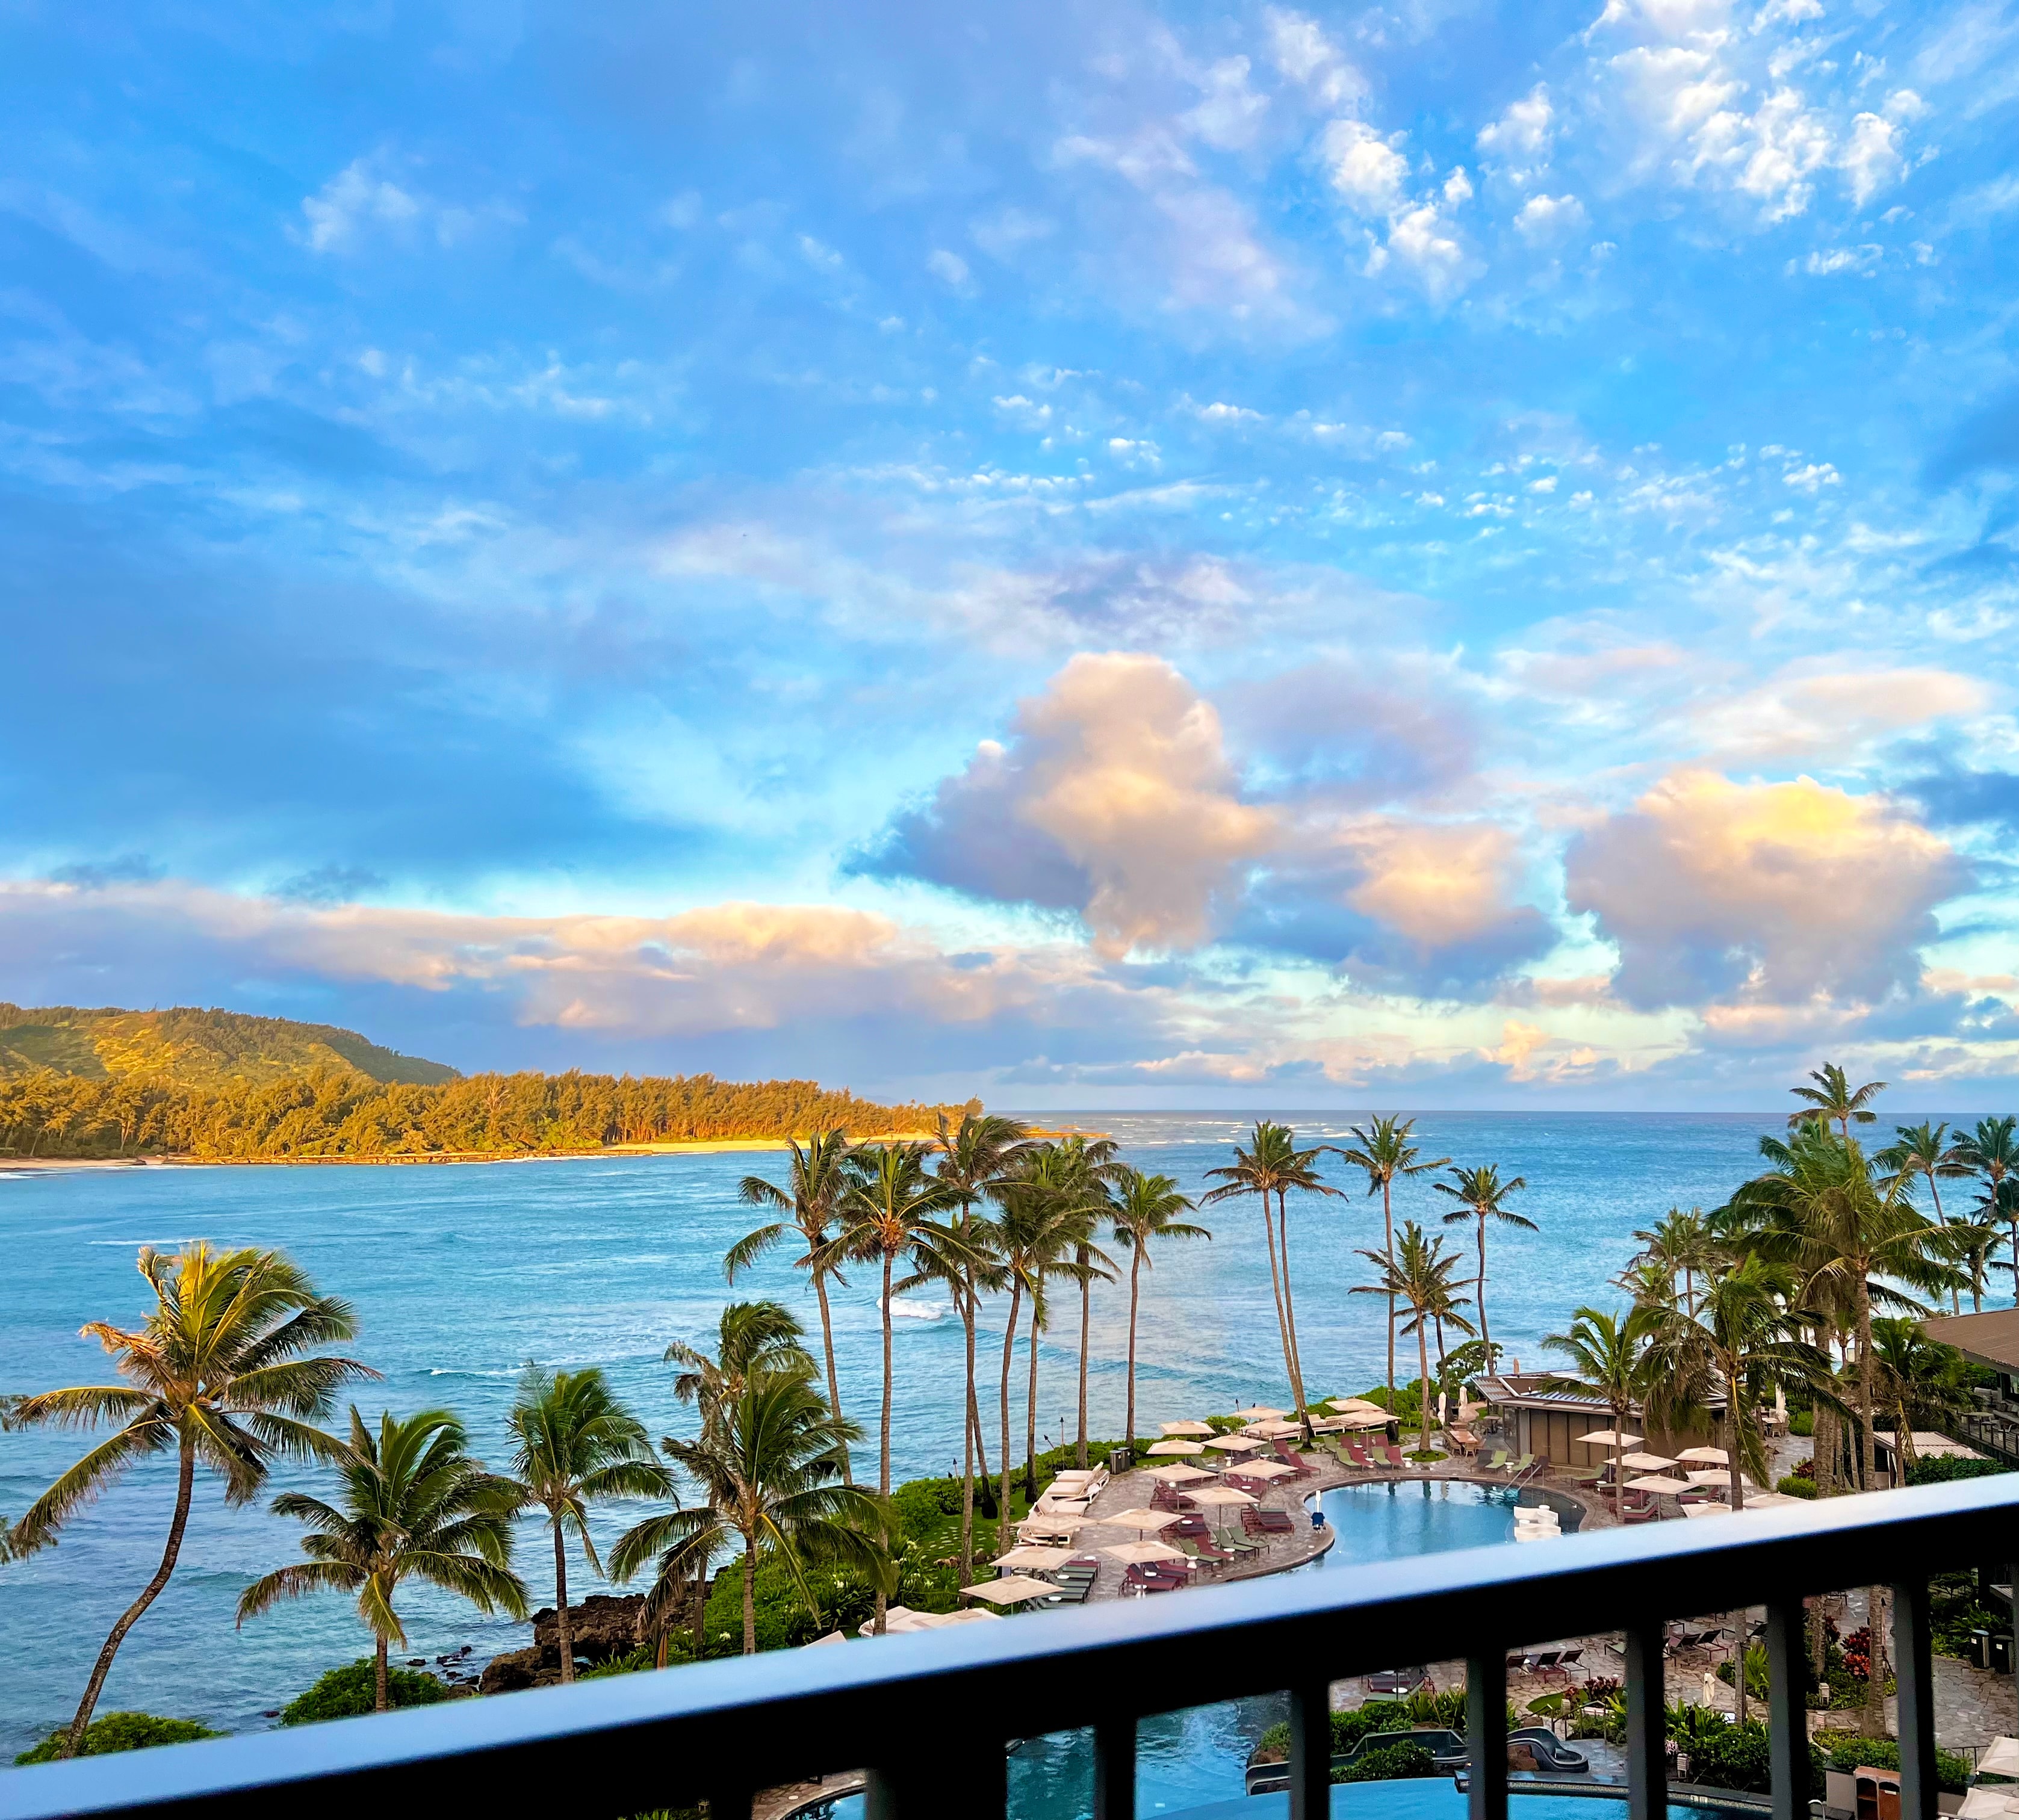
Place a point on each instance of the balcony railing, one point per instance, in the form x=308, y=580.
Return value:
x=930, y=1714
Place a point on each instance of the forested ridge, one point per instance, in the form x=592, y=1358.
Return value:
x=222, y=1086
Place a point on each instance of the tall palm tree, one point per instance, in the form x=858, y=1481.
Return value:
x=1482, y=1194
x=1146, y=1209
x=769, y=1473
x=217, y=1374
x=1920, y=1380
x=573, y=1445
x=1384, y=1150
x=1991, y=1152
x=814, y=1186
x=415, y=1506
x=1418, y=1273
x=750, y=1336
x=1834, y=1101
x=1091, y=1163
x=1680, y=1245
x=975, y=1156
x=1924, y=1150
x=1610, y=1355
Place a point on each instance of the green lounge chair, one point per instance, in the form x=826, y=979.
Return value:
x=1516, y=1467
x=1496, y=1460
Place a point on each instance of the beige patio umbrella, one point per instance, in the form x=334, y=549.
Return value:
x=1171, y=1447
x=1037, y=1559
x=1367, y=1419
x=1140, y=1552
x=1705, y=1455
x=1235, y=1443
x=1655, y=1481
x=1780, y=1501
x=1352, y=1406
x=1260, y=1413
x=2000, y=1756
x=1011, y=1589
x=1648, y=1462
x=1710, y=1475
x=1609, y=1438
x=1226, y=1495
x=1273, y=1430
x=1179, y=1475
x=1145, y=1519
x=1042, y=1524
x=1261, y=1469
x=1194, y=1428
x=1709, y=1509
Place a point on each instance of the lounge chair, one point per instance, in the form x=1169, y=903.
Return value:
x=1496, y=1460
x=1358, y=1456
x=1392, y=1454
x=1630, y=1512
x=1397, y=1681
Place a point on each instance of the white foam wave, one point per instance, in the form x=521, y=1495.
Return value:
x=915, y=1311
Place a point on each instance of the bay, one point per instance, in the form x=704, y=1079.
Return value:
x=461, y=1274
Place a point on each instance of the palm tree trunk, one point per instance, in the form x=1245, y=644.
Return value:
x=1275, y=1277
x=381, y=1694
x=750, y=1597
x=1388, y=1246
x=562, y=1624
x=833, y=1378
x=1874, y=1688
x=1135, y=1295
x=1443, y=1414
x=1030, y=1415
x=1867, y=1462
x=1479, y=1292
x=1734, y=1465
x=884, y=1442
x=1003, y=1525
x=1290, y=1317
x=966, y=1298
x=1423, y=1364
x=1086, y=1310
x=185, y=1484
x=1955, y=1290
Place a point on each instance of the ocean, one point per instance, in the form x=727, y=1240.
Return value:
x=461, y=1274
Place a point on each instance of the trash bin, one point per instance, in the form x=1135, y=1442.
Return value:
x=2001, y=1652
x=1120, y=1461
x=1980, y=1648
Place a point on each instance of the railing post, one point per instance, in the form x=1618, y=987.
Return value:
x=1311, y=1751
x=1114, y=1769
x=970, y=1781
x=729, y=1802
x=1486, y=1734
x=2012, y=1609
x=1787, y=1710
x=1913, y=1676
x=1647, y=1722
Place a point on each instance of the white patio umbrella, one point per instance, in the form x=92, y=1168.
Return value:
x=1171, y=1447
x=1235, y=1443
x=1140, y=1552
x=1011, y=1589
x=2000, y=1758
x=1711, y=1475
x=1260, y=1413
x=1989, y=1801
x=1195, y=1429
x=1038, y=1560
x=1273, y=1430
x=1226, y=1495
x=1041, y=1524
x=1709, y=1509
x=1609, y=1438
x=1145, y=1519
x=1780, y=1501
x=1706, y=1456
x=1179, y=1475
x=1647, y=1462
x=1655, y=1481
x=1261, y=1469
x=1374, y=1418
x=1352, y=1406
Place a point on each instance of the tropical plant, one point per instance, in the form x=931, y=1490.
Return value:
x=117, y=1731
x=1680, y=1245
x=769, y=1474
x=750, y=1336
x=1609, y=1353
x=1482, y=1195
x=975, y=1156
x=414, y=1506
x=815, y=1183
x=1920, y=1380
x=1418, y=1273
x=1834, y=1101
x=215, y=1373
x=1384, y=1150
x=1092, y=1160
x=1924, y=1151
x=352, y=1690
x=1991, y=1152
x=1274, y=1165
x=575, y=1444
x=1145, y=1209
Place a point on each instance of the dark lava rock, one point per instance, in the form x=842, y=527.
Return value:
x=600, y=1627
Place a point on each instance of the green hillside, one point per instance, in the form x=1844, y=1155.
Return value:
x=185, y=1047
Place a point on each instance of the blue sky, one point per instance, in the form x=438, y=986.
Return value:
x=1429, y=554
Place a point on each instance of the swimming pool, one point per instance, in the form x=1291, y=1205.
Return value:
x=1392, y=1519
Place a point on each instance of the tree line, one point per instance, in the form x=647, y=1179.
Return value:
x=341, y=1113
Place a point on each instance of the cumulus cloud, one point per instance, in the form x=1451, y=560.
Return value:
x=1519, y=139
x=1545, y=219
x=1372, y=175
x=1364, y=167
x=363, y=199
x=1767, y=894
x=1113, y=797
x=1305, y=56
x=1816, y=713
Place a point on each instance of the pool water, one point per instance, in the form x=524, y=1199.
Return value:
x=1431, y=1798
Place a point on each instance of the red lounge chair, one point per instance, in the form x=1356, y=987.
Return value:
x=1393, y=1456
x=1359, y=1455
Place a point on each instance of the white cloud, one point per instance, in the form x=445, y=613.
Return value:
x=1365, y=168
x=359, y=200
x=1520, y=138
x=951, y=267
x=1218, y=413
x=1862, y=260
x=1232, y=113
x=1816, y=474
x=1457, y=186
x=1549, y=217
x=1304, y=54
x=1871, y=159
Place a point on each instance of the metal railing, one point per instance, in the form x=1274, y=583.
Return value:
x=929, y=1714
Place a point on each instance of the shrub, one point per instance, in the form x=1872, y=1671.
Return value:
x=1802, y=1422
x=923, y=1505
x=1741, y=1756
x=344, y=1693
x=1794, y=1486
x=1392, y=1763
x=122, y=1731
x=1846, y=1751
x=1944, y=1467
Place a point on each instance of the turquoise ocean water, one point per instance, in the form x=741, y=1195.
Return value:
x=459, y=1275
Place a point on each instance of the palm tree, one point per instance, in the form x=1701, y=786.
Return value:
x=1146, y=1208
x=974, y=1156
x=216, y=1372
x=1091, y=1161
x=573, y=1443
x=1834, y=1099
x=1680, y=1245
x=750, y=1336
x=1384, y=1152
x=1418, y=1273
x=1991, y=1152
x=1274, y=1166
x=769, y=1472
x=814, y=1187
x=1481, y=1193
x=1609, y=1354
x=1920, y=1380
x=415, y=1506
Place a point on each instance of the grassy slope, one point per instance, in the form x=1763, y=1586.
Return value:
x=193, y=1047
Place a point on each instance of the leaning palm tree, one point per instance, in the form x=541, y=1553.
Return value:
x=1921, y=1381
x=1680, y=1245
x=414, y=1506
x=1609, y=1353
x=215, y=1374
x=814, y=1186
x=1834, y=1101
x=975, y=1156
x=573, y=1445
x=1384, y=1150
x=1481, y=1195
x=1923, y=1150
x=1146, y=1208
x=750, y=1336
x=770, y=1475
x=1418, y=1273
x=1991, y=1152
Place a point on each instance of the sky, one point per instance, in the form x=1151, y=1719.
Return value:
x=1425, y=553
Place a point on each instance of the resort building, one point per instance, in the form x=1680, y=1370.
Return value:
x=1542, y=1414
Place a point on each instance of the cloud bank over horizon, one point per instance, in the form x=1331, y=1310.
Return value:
x=1085, y=558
